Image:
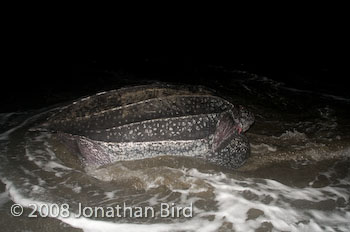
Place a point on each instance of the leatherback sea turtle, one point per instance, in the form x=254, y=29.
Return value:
x=154, y=120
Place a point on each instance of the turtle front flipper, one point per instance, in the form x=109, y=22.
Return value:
x=229, y=148
x=234, y=154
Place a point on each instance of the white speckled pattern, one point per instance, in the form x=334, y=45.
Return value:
x=149, y=121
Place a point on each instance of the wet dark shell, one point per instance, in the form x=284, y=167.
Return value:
x=154, y=120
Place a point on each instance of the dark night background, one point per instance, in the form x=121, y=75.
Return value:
x=46, y=59
x=35, y=82
x=39, y=71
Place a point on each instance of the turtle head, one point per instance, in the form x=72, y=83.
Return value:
x=243, y=118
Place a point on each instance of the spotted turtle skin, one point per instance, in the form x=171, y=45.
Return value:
x=154, y=120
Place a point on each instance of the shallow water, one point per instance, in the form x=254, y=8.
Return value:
x=297, y=178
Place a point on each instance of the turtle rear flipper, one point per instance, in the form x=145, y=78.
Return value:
x=91, y=153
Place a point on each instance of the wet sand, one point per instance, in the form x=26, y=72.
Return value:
x=25, y=223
